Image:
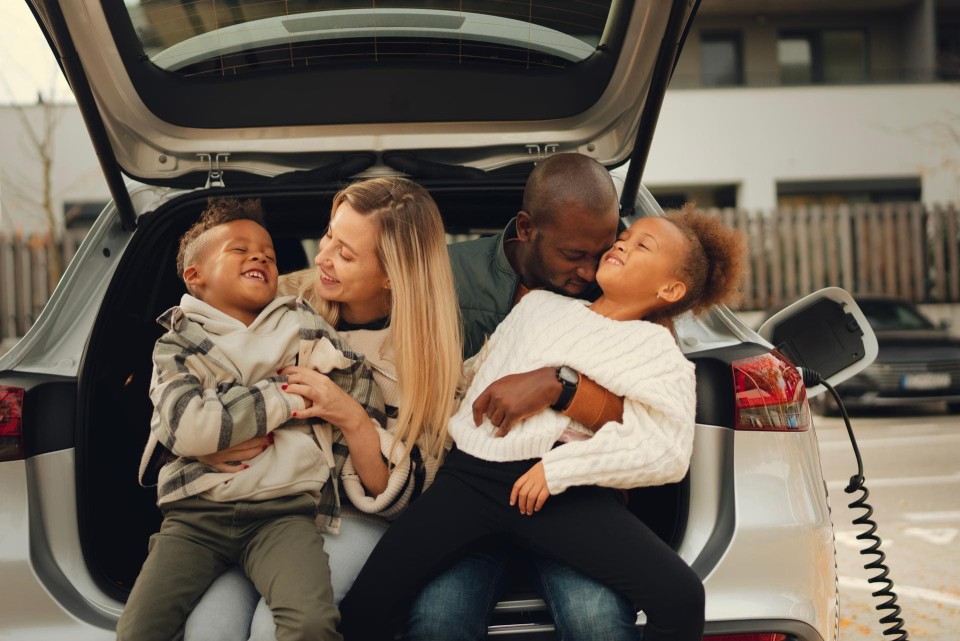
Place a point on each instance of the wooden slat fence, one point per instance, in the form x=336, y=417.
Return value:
x=897, y=249
x=26, y=281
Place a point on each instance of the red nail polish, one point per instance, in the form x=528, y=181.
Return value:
x=244, y=467
x=284, y=386
x=293, y=413
x=279, y=371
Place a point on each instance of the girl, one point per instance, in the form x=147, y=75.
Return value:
x=557, y=499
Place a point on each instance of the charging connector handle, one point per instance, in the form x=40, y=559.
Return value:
x=812, y=378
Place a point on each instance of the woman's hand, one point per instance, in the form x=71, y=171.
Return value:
x=235, y=458
x=509, y=400
x=324, y=399
x=530, y=491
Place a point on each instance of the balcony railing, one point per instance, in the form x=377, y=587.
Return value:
x=942, y=73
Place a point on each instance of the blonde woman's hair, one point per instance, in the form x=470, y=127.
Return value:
x=425, y=325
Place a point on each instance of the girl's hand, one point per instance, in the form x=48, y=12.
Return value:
x=324, y=399
x=530, y=491
x=235, y=458
x=509, y=400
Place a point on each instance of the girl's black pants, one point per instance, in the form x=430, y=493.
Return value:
x=588, y=528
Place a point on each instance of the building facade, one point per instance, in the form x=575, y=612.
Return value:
x=790, y=102
x=812, y=102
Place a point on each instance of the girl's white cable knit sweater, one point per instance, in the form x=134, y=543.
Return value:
x=634, y=359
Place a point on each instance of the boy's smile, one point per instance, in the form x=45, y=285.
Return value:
x=236, y=271
x=256, y=274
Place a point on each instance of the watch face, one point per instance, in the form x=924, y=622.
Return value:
x=568, y=375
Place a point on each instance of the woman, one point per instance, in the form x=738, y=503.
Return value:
x=383, y=279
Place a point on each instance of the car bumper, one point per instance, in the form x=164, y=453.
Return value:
x=780, y=563
x=864, y=399
x=885, y=384
x=37, y=599
x=766, y=552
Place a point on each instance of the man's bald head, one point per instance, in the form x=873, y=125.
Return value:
x=568, y=181
x=569, y=219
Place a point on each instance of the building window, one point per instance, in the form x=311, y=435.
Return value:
x=844, y=56
x=721, y=59
x=848, y=192
x=705, y=196
x=832, y=56
x=795, y=55
x=948, y=51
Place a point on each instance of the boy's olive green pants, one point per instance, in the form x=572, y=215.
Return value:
x=277, y=544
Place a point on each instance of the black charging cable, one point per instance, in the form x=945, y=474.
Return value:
x=869, y=536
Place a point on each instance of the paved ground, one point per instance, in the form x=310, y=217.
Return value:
x=912, y=465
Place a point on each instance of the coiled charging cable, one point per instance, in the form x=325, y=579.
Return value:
x=869, y=536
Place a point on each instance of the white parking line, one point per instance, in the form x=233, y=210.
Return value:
x=892, y=441
x=936, y=536
x=932, y=517
x=853, y=583
x=848, y=538
x=902, y=481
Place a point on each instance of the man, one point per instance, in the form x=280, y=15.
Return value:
x=570, y=216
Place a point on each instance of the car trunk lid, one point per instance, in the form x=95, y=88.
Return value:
x=181, y=94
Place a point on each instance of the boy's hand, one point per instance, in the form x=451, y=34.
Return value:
x=234, y=459
x=509, y=400
x=530, y=491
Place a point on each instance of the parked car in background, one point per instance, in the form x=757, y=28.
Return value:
x=918, y=361
x=285, y=102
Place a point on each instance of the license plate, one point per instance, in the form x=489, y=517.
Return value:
x=925, y=380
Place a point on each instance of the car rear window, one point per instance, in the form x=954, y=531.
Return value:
x=230, y=38
x=222, y=64
x=892, y=315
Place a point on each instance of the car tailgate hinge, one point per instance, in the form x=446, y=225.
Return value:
x=214, y=168
x=541, y=152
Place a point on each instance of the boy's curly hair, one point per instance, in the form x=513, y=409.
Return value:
x=219, y=211
x=714, y=265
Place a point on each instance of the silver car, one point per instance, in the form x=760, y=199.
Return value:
x=286, y=100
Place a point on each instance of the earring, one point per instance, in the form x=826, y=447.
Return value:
x=658, y=295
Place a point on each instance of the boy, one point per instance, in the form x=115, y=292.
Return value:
x=215, y=385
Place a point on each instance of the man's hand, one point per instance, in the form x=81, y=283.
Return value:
x=530, y=491
x=509, y=400
x=234, y=459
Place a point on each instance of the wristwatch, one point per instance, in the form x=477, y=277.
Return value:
x=569, y=380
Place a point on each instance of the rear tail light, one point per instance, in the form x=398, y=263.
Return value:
x=11, y=426
x=770, y=395
x=761, y=636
